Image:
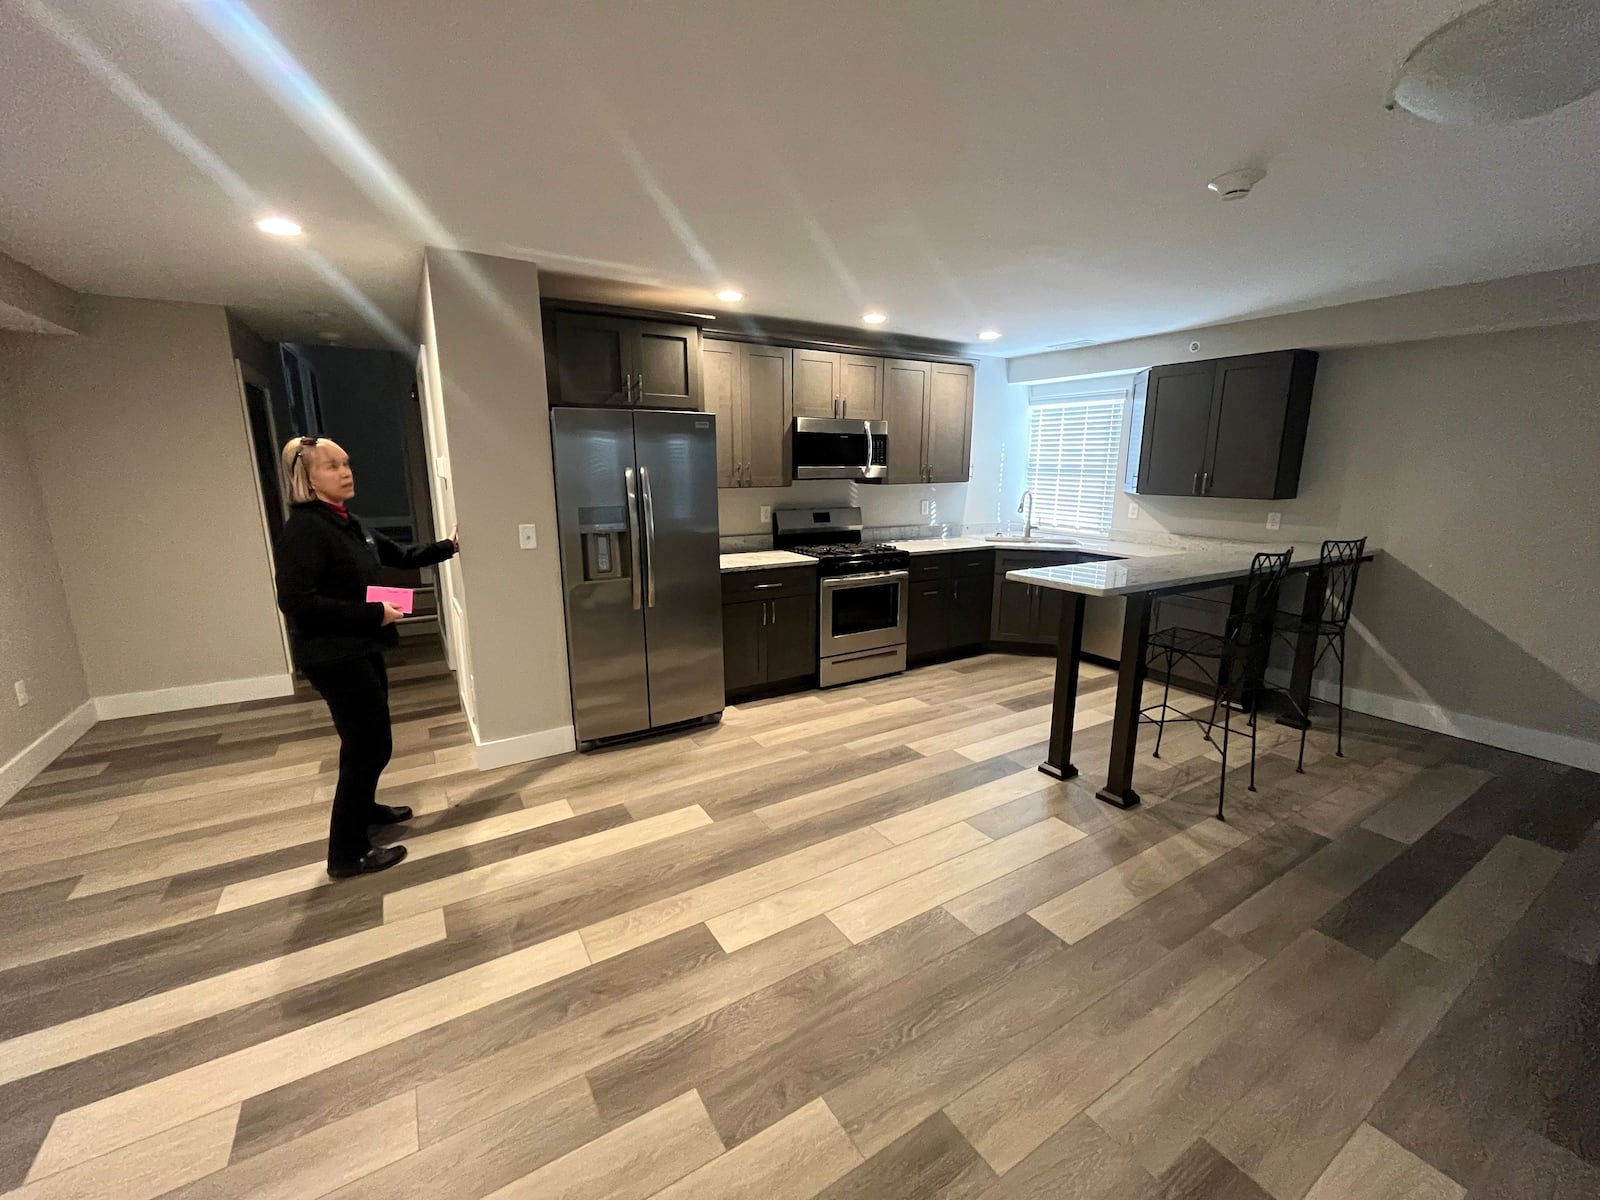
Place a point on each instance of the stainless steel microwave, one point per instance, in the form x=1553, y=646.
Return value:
x=832, y=448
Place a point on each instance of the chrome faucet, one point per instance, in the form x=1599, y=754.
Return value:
x=1027, y=521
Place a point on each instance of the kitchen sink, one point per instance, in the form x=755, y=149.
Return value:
x=1046, y=541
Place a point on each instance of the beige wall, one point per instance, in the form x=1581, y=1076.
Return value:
x=37, y=642
x=1474, y=462
x=139, y=445
x=481, y=315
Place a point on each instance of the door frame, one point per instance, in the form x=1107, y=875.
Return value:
x=243, y=374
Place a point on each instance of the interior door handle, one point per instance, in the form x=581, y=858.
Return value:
x=633, y=533
x=649, y=536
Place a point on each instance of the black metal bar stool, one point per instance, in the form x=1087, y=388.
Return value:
x=1239, y=655
x=1336, y=573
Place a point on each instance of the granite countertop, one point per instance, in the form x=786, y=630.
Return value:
x=1158, y=569
x=757, y=560
x=940, y=545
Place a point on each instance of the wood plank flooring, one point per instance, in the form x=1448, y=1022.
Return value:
x=843, y=944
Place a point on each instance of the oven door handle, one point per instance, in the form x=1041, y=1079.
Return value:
x=844, y=582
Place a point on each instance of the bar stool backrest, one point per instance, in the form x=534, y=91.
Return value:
x=1341, y=563
x=1253, y=620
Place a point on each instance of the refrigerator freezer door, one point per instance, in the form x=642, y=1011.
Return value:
x=594, y=457
x=677, y=456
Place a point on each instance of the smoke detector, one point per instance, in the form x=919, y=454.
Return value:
x=1236, y=185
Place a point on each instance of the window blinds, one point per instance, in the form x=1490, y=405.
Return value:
x=1072, y=461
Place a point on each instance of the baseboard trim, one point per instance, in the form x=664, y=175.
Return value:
x=527, y=747
x=24, y=767
x=1537, y=743
x=199, y=695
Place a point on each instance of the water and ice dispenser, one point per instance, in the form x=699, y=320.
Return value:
x=606, y=547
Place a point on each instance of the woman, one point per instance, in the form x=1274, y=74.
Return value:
x=326, y=562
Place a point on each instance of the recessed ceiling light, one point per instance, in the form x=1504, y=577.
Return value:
x=1236, y=185
x=989, y=335
x=874, y=317
x=279, y=227
x=730, y=295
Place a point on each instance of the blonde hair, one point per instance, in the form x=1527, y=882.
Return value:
x=295, y=462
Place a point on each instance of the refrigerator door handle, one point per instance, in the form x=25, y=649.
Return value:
x=649, y=536
x=633, y=534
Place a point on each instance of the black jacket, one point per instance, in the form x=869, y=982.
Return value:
x=325, y=565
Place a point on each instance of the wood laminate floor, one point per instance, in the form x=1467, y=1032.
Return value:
x=843, y=944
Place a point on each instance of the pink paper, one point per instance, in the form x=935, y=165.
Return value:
x=399, y=597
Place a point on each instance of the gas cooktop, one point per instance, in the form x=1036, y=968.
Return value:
x=855, y=558
x=848, y=550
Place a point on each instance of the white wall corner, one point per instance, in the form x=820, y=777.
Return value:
x=199, y=695
x=526, y=747
x=25, y=766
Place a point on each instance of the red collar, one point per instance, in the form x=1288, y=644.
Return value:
x=338, y=508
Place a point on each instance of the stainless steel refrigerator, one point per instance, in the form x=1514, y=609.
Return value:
x=636, y=503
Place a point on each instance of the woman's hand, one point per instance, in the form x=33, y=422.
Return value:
x=391, y=614
x=455, y=538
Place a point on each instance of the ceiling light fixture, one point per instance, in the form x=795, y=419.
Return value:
x=279, y=227
x=1236, y=185
x=730, y=295
x=989, y=335
x=874, y=317
x=1506, y=61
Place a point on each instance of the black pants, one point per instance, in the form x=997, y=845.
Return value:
x=357, y=693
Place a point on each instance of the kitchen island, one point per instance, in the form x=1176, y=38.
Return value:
x=1140, y=581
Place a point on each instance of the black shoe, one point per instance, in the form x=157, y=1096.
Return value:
x=379, y=858
x=390, y=814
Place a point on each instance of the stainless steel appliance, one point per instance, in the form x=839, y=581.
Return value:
x=862, y=606
x=636, y=505
x=830, y=448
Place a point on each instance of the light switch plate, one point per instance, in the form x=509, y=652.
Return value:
x=766, y=515
x=1274, y=520
x=21, y=688
x=927, y=508
x=1133, y=511
x=527, y=537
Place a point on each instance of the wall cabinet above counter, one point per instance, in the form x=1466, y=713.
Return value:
x=756, y=389
x=1225, y=427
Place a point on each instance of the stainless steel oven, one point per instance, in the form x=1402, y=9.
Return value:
x=831, y=448
x=862, y=626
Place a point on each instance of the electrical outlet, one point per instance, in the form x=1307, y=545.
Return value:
x=527, y=537
x=1274, y=520
x=766, y=515
x=21, y=688
x=1133, y=511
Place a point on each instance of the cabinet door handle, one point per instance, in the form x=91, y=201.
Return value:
x=1194, y=488
x=1205, y=482
x=761, y=587
x=773, y=605
x=763, y=614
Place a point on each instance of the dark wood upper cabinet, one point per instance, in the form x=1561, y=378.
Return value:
x=816, y=383
x=947, y=441
x=906, y=387
x=766, y=413
x=1227, y=427
x=593, y=360
x=860, y=387
x=605, y=361
x=750, y=388
x=719, y=382
x=1176, y=424
x=928, y=408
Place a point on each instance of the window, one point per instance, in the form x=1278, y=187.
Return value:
x=1072, y=454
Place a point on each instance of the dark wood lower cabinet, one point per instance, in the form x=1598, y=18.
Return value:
x=948, y=609
x=1024, y=614
x=769, y=629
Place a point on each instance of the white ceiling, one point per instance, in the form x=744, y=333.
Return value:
x=1034, y=165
